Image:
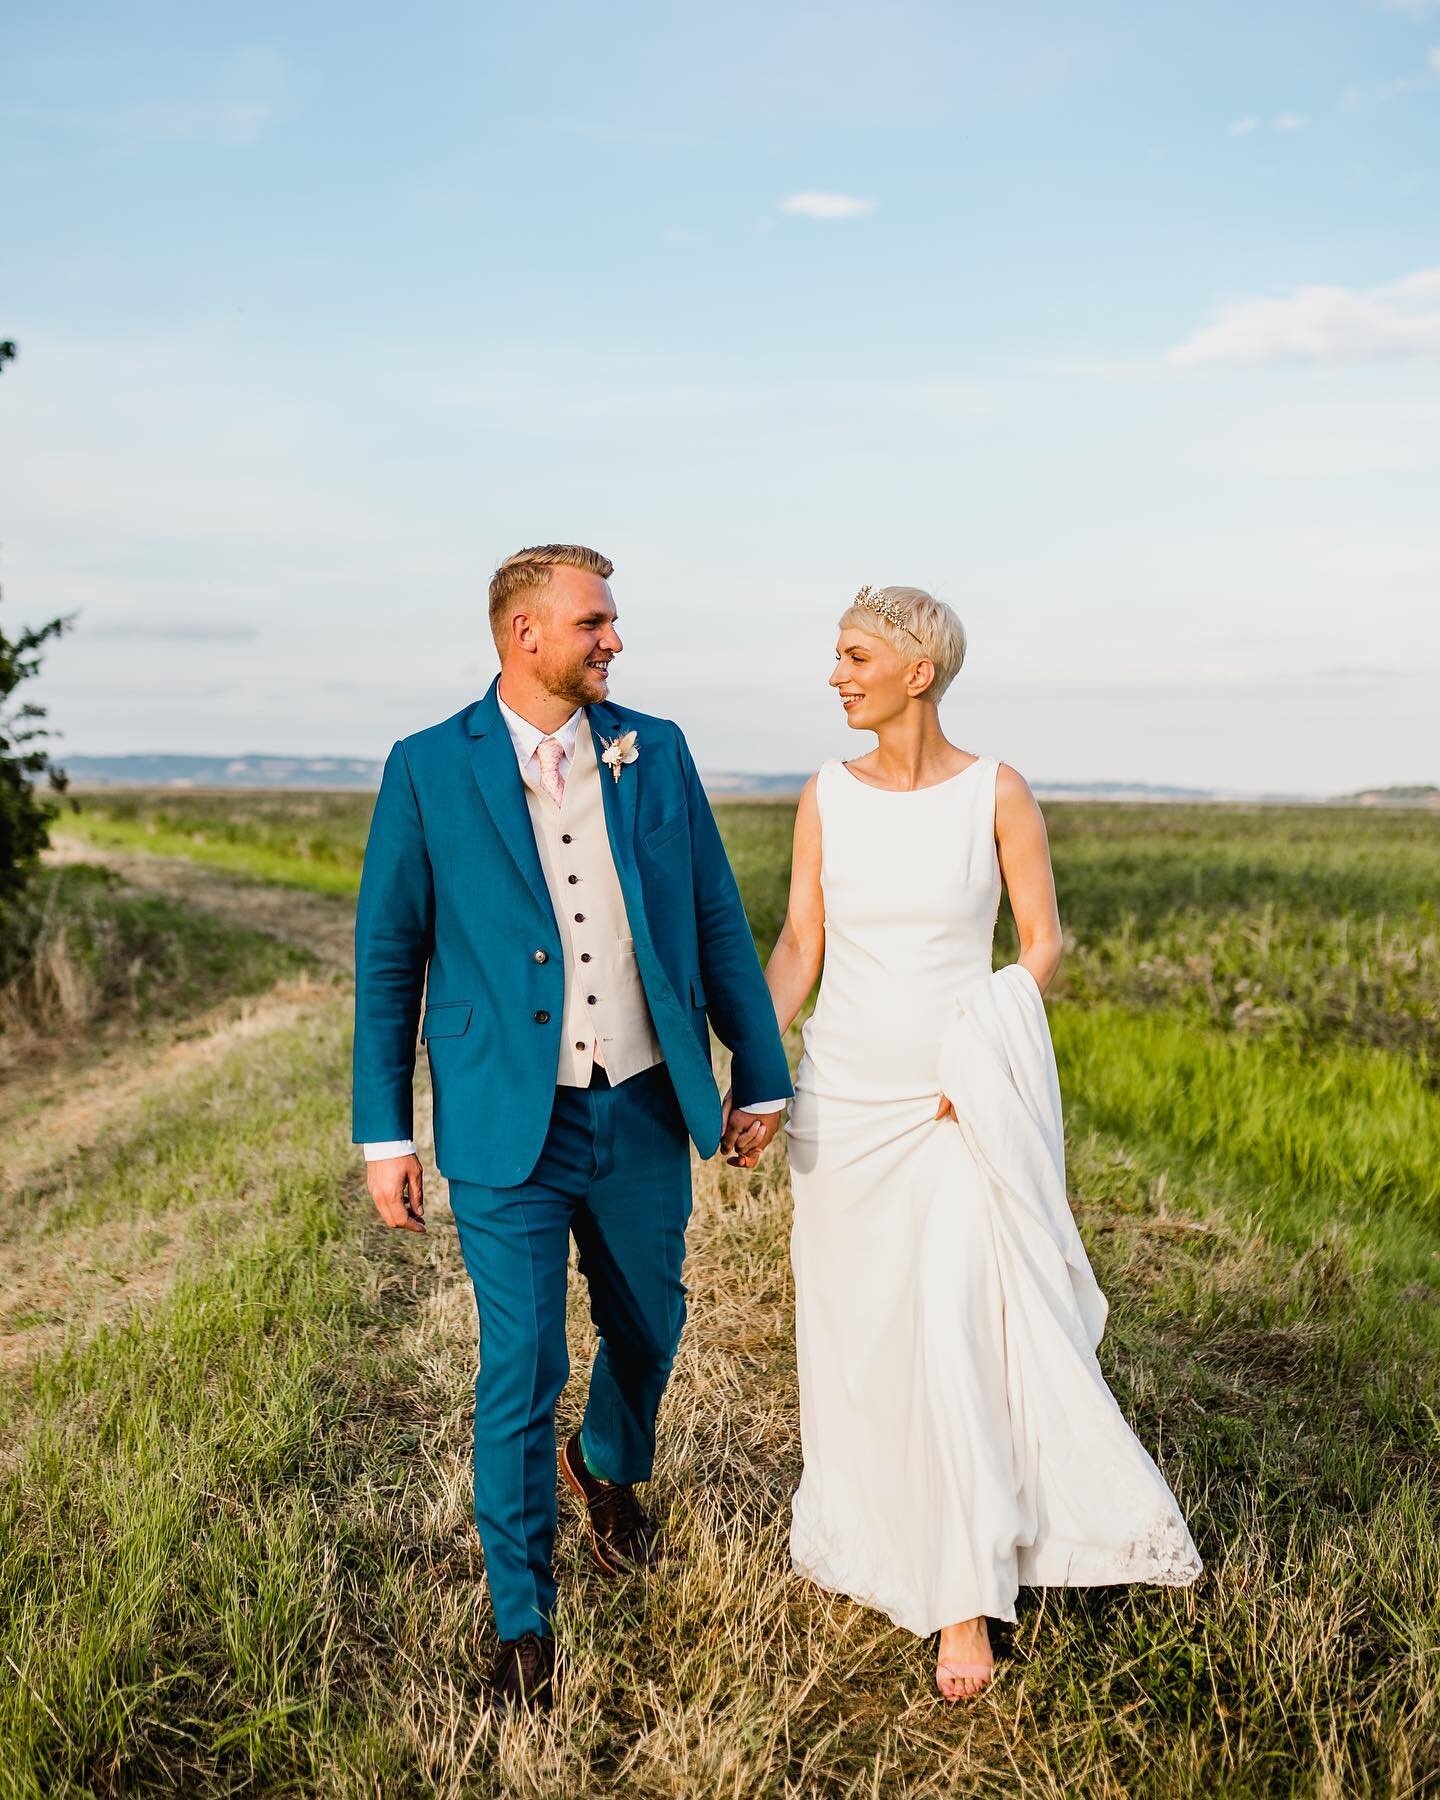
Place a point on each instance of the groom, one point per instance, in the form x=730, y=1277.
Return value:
x=544, y=869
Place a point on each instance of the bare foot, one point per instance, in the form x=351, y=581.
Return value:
x=966, y=1661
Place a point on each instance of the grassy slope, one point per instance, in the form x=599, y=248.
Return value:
x=314, y=841
x=99, y=953
x=106, y=966
x=235, y=1548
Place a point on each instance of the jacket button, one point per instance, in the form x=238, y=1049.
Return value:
x=542, y=1018
x=573, y=879
x=540, y=956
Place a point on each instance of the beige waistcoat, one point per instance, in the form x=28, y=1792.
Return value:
x=606, y=1013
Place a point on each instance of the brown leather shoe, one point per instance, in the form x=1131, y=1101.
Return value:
x=622, y=1536
x=524, y=1674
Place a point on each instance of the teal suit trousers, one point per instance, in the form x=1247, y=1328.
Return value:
x=614, y=1173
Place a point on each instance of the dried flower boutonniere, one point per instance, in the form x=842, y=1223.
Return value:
x=619, y=751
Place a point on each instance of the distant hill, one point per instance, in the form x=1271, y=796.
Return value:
x=255, y=771
x=362, y=772
x=1423, y=794
x=223, y=771
x=315, y=772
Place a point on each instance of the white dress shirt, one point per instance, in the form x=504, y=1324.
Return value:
x=527, y=739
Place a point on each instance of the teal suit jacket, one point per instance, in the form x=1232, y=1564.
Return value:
x=454, y=907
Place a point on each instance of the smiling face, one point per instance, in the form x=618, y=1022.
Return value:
x=874, y=681
x=569, y=628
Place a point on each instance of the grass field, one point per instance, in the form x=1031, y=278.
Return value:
x=235, y=1552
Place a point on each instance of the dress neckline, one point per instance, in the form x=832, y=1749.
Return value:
x=930, y=787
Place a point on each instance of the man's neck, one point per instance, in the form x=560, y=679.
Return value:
x=547, y=712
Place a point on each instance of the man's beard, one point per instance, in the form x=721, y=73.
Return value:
x=573, y=684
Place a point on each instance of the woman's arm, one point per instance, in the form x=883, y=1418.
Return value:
x=1024, y=851
x=795, y=962
x=793, y=969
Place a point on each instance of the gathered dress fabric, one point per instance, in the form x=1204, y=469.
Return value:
x=959, y=1437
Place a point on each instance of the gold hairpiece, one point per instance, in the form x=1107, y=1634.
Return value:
x=871, y=599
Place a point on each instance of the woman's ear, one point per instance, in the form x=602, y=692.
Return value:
x=922, y=677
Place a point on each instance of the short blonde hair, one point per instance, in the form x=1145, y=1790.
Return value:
x=531, y=569
x=931, y=629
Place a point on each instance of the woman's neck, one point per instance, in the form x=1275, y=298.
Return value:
x=912, y=751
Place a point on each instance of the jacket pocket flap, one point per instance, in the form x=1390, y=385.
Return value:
x=666, y=829
x=447, y=1018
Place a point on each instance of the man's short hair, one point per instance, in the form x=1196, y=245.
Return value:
x=531, y=569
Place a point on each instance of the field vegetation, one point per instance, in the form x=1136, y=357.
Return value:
x=235, y=1552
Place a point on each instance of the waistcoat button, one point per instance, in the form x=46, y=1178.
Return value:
x=589, y=999
x=579, y=1045
x=579, y=918
x=584, y=956
x=564, y=837
x=573, y=879
x=542, y=1018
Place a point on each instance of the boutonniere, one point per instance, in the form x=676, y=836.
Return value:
x=619, y=751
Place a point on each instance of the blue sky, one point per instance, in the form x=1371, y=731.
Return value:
x=1117, y=326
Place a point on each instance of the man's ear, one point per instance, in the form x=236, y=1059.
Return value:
x=524, y=633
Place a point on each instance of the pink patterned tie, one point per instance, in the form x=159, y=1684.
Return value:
x=552, y=782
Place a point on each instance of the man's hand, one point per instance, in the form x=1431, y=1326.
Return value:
x=397, y=1186
x=745, y=1136
x=946, y=1109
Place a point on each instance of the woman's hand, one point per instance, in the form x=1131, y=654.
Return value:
x=945, y=1110
x=745, y=1137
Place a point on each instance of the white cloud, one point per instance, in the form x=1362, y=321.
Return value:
x=1252, y=122
x=827, y=206
x=1322, y=325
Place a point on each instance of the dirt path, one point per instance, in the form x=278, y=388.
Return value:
x=60, y=1106
x=53, y=1281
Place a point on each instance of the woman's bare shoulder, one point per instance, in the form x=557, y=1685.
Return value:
x=1010, y=784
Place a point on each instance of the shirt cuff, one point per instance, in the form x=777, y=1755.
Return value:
x=391, y=1147
x=764, y=1106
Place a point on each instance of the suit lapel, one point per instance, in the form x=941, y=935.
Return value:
x=619, y=800
x=497, y=775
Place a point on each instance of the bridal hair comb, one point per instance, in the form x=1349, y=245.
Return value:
x=874, y=601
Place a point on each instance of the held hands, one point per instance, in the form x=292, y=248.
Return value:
x=944, y=1110
x=397, y=1186
x=745, y=1136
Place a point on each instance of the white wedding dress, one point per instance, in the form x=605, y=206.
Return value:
x=959, y=1438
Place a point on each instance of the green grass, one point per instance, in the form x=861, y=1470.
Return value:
x=1352, y=1135
x=83, y=951
x=1319, y=924
x=312, y=841
x=235, y=1553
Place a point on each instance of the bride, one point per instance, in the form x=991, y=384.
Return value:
x=958, y=1435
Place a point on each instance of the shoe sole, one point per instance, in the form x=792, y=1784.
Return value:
x=572, y=1481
